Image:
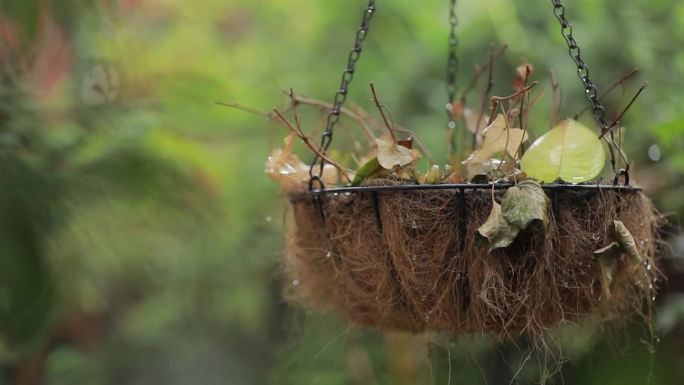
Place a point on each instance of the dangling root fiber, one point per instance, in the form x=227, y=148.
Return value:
x=409, y=260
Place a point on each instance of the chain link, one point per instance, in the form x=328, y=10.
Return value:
x=591, y=93
x=340, y=97
x=452, y=68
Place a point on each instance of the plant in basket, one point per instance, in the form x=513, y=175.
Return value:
x=514, y=234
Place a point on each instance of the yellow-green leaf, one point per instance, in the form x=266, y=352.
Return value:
x=570, y=151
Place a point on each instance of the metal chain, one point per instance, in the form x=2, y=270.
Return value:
x=591, y=93
x=452, y=67
x=340, y=97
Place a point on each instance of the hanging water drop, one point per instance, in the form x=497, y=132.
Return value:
x=328, y=254
x=268, y=219
x=295, y=282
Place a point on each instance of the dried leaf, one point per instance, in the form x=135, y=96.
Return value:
x=622, y=235
x=521, y=74
x=285, y=168
x=569, y=151
x=291, y=173
x=608, y=261
x=525, y=203
x=520, y=206
x=496, y=230
x=497, y=139
x=391, y=154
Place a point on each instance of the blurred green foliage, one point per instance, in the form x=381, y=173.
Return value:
x=140, y=240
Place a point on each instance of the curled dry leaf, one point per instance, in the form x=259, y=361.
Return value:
x=521, y=205
x=496, y=231
x=608, y=260
x=497, y=138
x=391, y=154
x=622, y=235
x=525, y=203
x=608, y=257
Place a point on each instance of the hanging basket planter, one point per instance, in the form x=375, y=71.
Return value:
x=407, y=258
x=509, y=239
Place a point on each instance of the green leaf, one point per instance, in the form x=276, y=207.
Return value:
x=496, y=230
x=368, y=169
x=570, y=151
x=525, y=203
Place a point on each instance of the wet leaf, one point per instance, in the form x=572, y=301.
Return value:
x=525, y=203
x=569, y=151
x=496, y=231
x=290, y=172
x=391, y=154
x=622, y=235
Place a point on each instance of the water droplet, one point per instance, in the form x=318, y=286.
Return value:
x=595, y=236
x=413, y=258
x=347, y=194
x=654, y=153
x=648, y=267
x=452, y=345
x=413, y=224
x=269, y=219
x=328, y=254
x=336, y=194
x=653, y=298
x=657, y=339
x=423, y=298
x=295, y=282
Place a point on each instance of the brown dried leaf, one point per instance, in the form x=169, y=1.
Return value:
x=391, y=154
x=497, y=139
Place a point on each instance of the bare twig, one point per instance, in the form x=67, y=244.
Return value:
x=557, y=98
x=309, y=143
x=380, y=107
x=624, y=111
x=479, y=71
x=496, y=100
x=610, y=89
x=245, y=108
x=522, y=111
x=345, y=111
x=490, y=85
